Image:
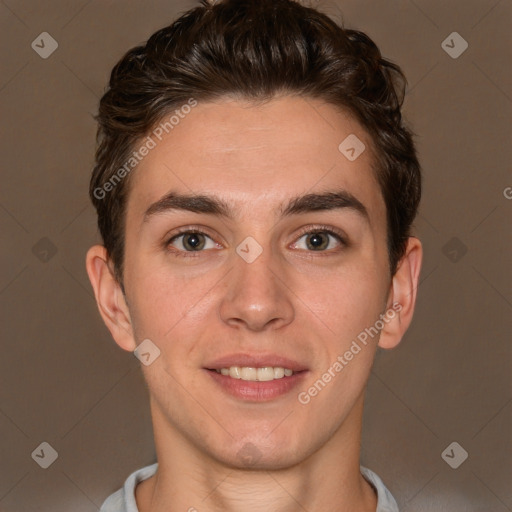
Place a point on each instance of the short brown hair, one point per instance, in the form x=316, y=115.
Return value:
x=255, y=49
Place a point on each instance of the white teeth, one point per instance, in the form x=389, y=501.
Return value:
x=278, y=372
x=256, y=374
x=247, y=373
x=234, y=372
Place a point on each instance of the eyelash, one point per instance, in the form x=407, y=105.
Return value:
x=309, y=230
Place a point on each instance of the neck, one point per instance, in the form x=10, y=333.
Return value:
x=188, y=479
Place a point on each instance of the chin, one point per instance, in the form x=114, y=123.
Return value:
x=263, y=454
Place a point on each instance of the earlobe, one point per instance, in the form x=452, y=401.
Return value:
x=109, y=298
x=402, y=295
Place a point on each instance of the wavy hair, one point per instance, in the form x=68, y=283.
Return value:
x=256, y=50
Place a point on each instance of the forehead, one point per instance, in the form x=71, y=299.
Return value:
x=256, y=156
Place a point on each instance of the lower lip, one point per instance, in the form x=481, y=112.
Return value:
x=256, y=391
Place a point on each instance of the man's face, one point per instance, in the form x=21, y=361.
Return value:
x=210, y=300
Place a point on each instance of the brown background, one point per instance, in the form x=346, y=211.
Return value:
x=63, y=380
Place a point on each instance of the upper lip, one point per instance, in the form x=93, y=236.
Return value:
x=255, y=361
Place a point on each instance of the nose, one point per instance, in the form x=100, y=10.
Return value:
x=256, y=296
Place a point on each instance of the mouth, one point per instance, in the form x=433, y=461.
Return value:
x=253, y=374
x=255, y=377
x=256, y=384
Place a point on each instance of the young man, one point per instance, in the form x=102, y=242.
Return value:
x=255, y=189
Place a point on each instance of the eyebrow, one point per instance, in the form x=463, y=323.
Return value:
x=201, y=203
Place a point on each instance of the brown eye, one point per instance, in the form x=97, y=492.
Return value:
x=319, y=240
x=191, y=241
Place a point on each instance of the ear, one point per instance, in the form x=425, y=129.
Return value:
x=110, y=298
x=402, y=296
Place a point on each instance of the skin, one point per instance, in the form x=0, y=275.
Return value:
x=301, y=303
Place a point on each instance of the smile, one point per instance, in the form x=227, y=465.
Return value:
x=263, y=374
x=257, y=384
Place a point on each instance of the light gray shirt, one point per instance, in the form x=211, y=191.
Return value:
x=123, y=500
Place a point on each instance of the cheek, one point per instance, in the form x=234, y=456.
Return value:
x=346, y=300
x=350, y=309
x=166, y=307
x=354, y=309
